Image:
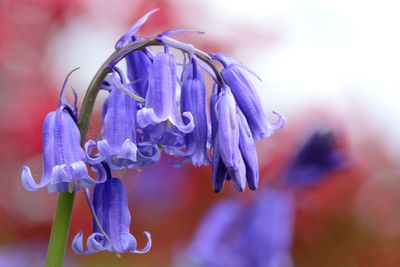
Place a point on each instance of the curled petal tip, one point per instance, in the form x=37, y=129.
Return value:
x=27, y=180
x=148, y=245
x=77, y=244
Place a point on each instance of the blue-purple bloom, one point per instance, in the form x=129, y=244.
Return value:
x=64, y=161
x=318, y=156
x=247, y=98
x=111, y=222
x=258, y=234
x=194, y=100
x=161, y=100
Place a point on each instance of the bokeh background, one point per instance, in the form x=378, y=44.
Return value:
x=331, y=65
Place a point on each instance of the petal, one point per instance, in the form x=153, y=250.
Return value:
x=60, y=175
x=97, y=242
x=228, y=130
x=128, y=243
x=29, y=183
x=219, y=170
x=89, y=146
x=77, y=245
x=105, y=149
x=162, y=84
x=238, y=175
x=80, y=173
x=128, y=151
x=138, y=70
x=111, y=207
x=148, y=154
x=147, y=116
x=248, y=151
x=148, y=244
x=248, y=101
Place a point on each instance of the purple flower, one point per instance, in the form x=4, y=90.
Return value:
x=111, y=222
x=247, y=98
x=193, y=100
x=118, y=144
x=161, y=101
x=64, y=167
x=317, y=157
x=258, y=234
x=227, y=160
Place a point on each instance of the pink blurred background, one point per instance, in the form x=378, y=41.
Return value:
x=330, y=65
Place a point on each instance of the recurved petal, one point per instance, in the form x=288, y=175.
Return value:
x=92, y=159
x=80, y=173
x=77, y=245
x=128, y=151
x=148, y=244
x=248, y=151
x=29, y=183
x=60, y=175
x=228, y=130
x=97, y=242
x=148, y=154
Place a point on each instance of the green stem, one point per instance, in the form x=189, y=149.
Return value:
x=65, y=201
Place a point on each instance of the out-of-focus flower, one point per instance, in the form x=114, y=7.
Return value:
x=111, y=222
x=64, y=167
x=259, y=234
x=318, y=156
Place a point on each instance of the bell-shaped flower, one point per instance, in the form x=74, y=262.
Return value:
x=118, y=145
x=247, y=98
x=161, y=103
x=227, y=160
x=64, y=167
x=193, y=100
x=315, y=159
x=111, y=222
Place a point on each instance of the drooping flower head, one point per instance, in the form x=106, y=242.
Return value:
x=64, y=161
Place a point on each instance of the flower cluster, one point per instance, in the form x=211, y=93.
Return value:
x=156, y=103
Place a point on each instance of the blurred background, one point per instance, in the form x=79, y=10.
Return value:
x=328, y=66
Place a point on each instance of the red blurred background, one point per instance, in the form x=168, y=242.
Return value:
x=352, y=219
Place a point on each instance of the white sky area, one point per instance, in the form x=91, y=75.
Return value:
x=340, y=55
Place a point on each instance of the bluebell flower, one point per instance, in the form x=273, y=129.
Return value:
x=161, y=101
x=111, y=222
x=64, y=161
x=227, y=160
x=118, y=145
x=318, y=156
x=259, y=234
x=247, y=98
x=194, y=100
